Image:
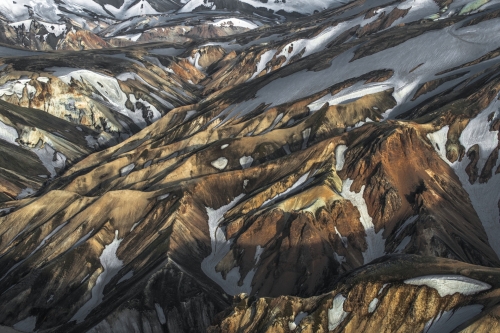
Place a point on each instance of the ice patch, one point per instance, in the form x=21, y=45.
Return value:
x=112, y=266
x=450, y=284
x=374, y=241
x=220, y=163
x=246, y=161
x=336, y=314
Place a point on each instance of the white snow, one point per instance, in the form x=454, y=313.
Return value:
x=189, y=114
x=8, y=133
x=373, y=305
x=224, y=146
x=450, y=284
x=246, y=161
x=374, y=241
x=235, y=22
x=107, y=86
x=160, y=313
x=292, y=325
x=342, y=239
x=17, y=10
x=132, y=38
x=220, y=163
x=273, y=125
x=50, y=158
x=347, y=96
x=25, y=193
x=438, y=140
x=336, y=314
x=43, y=79
x=299, y=6
x=436, y=50
x=484, y=197
x=447, y=321
x=127, y=169
x=127, y=10
x=339, y=157
x=264, y=59
x=164, y=196
x=193, y=4
x=112, y=266
x=220, y=248
x=26, y=325
x=17, y=87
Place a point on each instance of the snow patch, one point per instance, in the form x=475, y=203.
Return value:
x=292, y=325
x=25, y=193
x=8, y=133
x=228, y=22
x=374, y=241
x=246, y=161
x=339, y=157
x=336, y=314
x=220, y=163
x=373, y=305
x=220, y=248
x=450, y=284
x=112, y=266
x=127, y=169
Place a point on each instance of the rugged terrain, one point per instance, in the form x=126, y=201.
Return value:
x=192, y=170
